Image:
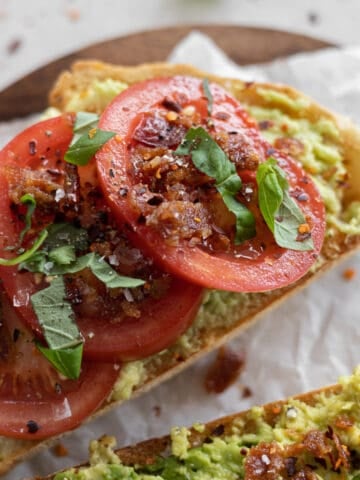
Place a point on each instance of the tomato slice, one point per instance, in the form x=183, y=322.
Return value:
x=110, y=332
x=35, y=401
x=150, y=119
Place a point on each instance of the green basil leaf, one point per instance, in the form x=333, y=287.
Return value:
x=100, y=268
x=82, y=151
x=8, y=262
x=210, y=159
x=66, y=360
x=287, y=221
x=56, y=316
x=208, y=95
x=84, y=122
x=30, y=202
x=280, y=211
x=61, y=234
x=63, y=255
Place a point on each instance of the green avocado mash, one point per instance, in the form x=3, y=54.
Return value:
x=335, y=417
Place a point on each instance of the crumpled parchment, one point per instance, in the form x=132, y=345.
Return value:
x=306, y=343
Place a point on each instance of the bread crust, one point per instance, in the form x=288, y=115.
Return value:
x=337, y=248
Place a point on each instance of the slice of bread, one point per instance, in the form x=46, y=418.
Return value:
x=314, y=432
x=223, y=315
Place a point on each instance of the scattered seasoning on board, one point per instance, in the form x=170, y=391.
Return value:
x=14, y=46
x=60, y=450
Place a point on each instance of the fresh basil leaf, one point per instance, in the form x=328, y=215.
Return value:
x=84, y=122
x=100, y=268
x=109, y=276
x=82, y=151
x=270, y=191
x=210, y=159
x=287, y=221
x=56, y=316
x=61, y=234
x=36, y=262
x=30, y=202
x=63, y=255
x=208, y=95
x=280, y=211
x=8, y=262
x=66, y=360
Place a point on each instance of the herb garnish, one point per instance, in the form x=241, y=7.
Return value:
x=54, y=312
x=62, y=335
x=208, y=95
x=280, y=211
x=87, y=140
x=210, y=159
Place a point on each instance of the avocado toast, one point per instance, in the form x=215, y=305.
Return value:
x=331, y=141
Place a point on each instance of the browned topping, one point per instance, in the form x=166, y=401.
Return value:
x=224, y=371
x=156, y=130
x=290, y=146
x=241, y=150
x=299, y=461
x=304, y=228
x=343, y=422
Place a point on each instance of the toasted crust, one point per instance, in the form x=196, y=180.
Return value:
x=335, y=248
x=146, y=452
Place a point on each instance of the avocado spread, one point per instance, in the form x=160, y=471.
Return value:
x=316, y=439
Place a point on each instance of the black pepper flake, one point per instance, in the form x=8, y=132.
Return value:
x=32, y=147
x=32, y=426
x=58, y=388
x=155, y=201
x=243, y=451
x=313, y=18
x=265, y=124
x=111, y=173
x=123, y=192
x=290, y=465
x=270, y=151
x=233, y=132
x=171, y=105
x=16, y=334
x=218, y=430
x=141, y=220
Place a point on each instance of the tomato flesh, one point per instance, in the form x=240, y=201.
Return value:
x=35, y=401
x=258, y=264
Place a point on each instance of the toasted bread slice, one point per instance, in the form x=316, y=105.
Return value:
x=223, y=315
x=313, y=435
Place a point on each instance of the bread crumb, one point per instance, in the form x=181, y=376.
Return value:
x=60, y=450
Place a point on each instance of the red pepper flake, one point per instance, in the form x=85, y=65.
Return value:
x=224, y=371
x=73, y=14
x=349, y=274
x=60, y=450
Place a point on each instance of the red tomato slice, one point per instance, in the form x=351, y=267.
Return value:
x=113, y=335
x=35, y=401
x=139, y=117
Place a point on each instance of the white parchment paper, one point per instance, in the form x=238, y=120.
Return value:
x=306, y=343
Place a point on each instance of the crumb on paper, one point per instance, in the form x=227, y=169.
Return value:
x=349, y=274
x=60, y=450
x=73, y=14
x=157, y=410
x=313, y=18
x=224, y=371
x=246, y=392
x=14, y=46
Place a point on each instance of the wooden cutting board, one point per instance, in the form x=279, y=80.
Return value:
x=243, y=44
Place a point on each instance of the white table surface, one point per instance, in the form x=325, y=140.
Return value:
x=33, y=32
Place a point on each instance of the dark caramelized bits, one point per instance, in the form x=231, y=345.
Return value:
x=174, y=196
x=298, y=461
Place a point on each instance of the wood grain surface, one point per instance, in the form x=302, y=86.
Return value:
x=244, y=45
